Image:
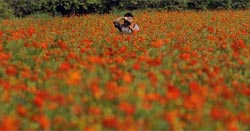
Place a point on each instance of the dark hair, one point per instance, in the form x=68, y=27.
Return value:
x=128, y=15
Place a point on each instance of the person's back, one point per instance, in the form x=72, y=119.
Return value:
x=128, y=25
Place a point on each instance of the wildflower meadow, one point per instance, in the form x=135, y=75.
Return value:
x=186, y=70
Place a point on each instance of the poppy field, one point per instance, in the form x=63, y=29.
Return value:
x=182, y=71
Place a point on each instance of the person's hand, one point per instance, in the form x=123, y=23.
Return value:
x=132, y=26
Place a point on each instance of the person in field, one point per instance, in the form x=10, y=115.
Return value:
x=127, y=26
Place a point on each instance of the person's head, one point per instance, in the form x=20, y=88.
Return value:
x=129, y=17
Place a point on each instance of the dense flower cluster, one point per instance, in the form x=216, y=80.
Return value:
x=183, y=70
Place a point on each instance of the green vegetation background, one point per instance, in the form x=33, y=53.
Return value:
x=21, y=8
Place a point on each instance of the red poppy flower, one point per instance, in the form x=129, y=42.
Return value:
x=21, y=110
x=38, y=101
x=127, y=108
x=9, y=124
x=157, y=43
x=110, y=122
x=173, y=92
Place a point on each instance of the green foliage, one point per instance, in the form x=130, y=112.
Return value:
x=175, y=4
x=25, y=7
x=198, y=4
x=69, y=7
x=241, y=4
x=5, y=11
x=219, y=4
x=40, y=15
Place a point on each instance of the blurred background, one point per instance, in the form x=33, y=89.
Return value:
x=22, y=8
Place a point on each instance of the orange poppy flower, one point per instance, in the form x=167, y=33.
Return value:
x=74, y=78
x=94, y=110
x=127, y=108
x=136, y=66
x=110, y=122
x=43, y=121
x=96, y=91
x=30, y=31
x=9, y=123
x=11, y=70
x=64, y=66
x=21, y=110
x=172, y=93
x=210, y=29
x=193, y=102
x=38, y=101
x=127, y=77
x=62, y=44
x=157, y=43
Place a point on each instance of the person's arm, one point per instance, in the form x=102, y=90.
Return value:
x=134, y=27
x=118, y=19
x=117, y=24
